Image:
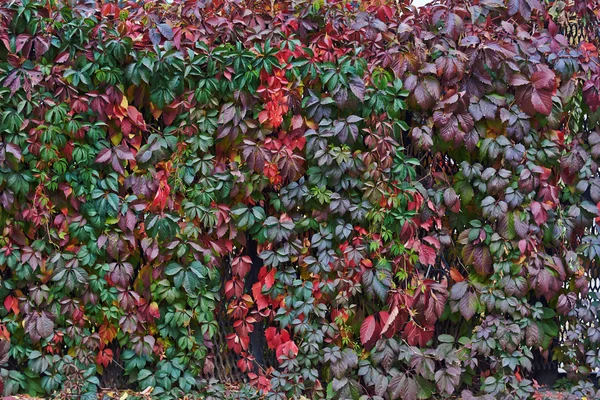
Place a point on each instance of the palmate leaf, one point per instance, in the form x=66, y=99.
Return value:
x=347, y=129
x=422, y=137
x=247, y=217
x=377, y=283
x=492, y=208
x=279, y=229
x=486, y=107
x=518, y=124
x=256, y=155
x=524, y=7
x=451, y=69
x=39, y=325
x=402, y=386
x=189, y=277
x=38, y=362
x=427, y=93
x=121, y=273
x=342, y=362
x=385, y=354
x=535, y=94
x=290, y=164
x=453, y=126
x=447, y=380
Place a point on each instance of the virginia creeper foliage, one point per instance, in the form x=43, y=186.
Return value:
x=340, y=178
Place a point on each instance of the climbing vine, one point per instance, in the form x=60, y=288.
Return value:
x=338, y=179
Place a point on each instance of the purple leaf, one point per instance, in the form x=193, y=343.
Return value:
x=357, y=86
x=165, y=30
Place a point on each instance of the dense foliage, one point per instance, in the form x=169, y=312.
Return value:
x=335, y=177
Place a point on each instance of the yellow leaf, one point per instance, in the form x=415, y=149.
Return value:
x=305, y=274
x=124, y=103
x=124, y=396
x=116, y=139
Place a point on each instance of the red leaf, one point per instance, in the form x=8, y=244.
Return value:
x=427, y=255
x=417, y=335
x=153, y=310
x=162, y=195
x=393, y=321
x=468, y=305
x=11, y=304
x=241, y=266
x=357, y=86
x=13, y=81
x=20, y=42
x=288, y=349
x=591, y=93
x=285, y=336
x=539, y=212
x=261, y=300
x=290, y=164
x=456, y=275
x=536, y=94
x=104, y=357
x=237, y=343
x=273, y=338
x=62, y=57
x=14, y=150
x=482, y=260
x=451, y=200
x=104, y=156
x=109, y=9
x=245, y=364
x=255, y=155
x=227, y=113
x=270, y=278
x=427, y=93
x=369, y=332
x=107, y=332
